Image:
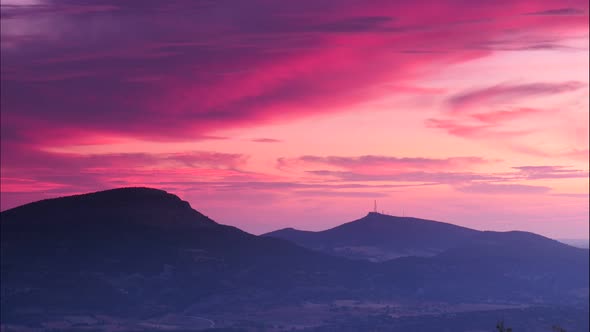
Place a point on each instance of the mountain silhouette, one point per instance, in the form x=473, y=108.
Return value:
x=445, y=260
x=380, y=237
x=119, y=250
x=109, y=208
x=518, y=263
x=139, y=253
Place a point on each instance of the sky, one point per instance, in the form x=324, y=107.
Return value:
x=269, y=114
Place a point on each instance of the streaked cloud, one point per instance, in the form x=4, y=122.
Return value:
x=503, y=93
x=503, y=189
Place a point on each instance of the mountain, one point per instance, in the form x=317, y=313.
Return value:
x=515, y=266
x=137, y=251
x=435, y=259
x=380, y=237
x=141, y=258
x=580, y=243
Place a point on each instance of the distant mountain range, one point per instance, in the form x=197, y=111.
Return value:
x=141, y=253
x=380, y=237
x=580, y=243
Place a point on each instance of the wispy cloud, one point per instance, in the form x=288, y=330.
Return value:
x=390, y=163
x=421, y=178
x=502, y=93
x=559, y=12
x=550, y=172
x=415, y=172
x=266, y=140
x=206, y=66
x=503, y=189
x=497, y=117
x=489, y=128
x=499, y=114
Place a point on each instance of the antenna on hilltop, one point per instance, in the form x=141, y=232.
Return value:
x=375, y=209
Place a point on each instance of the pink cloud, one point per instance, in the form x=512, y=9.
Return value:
x=509, y=93
x=420, y=178
x=30, y=170
x=497, y=117
x=374, y=164
x=467, y=129
x=275, y=63
x=266, y=140
x=418, y=171
x=578, y=154
x=428, y=171
x=497, y=114
x=503, y=189
x=559, y=11
x=550, y=172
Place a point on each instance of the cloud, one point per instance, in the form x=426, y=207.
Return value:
x=496, y=117
x=277, y=185
x=550, y=172
x=503, y=189
x=499, y=115
x=105, y=68
x=559, y=12
x=24, y=157
x=572, y=195
x=485, y=124
x=13, y=4
x=577, y=154
x=205, y=159
x=266, y=140
x=354, y=24
x=468, y=129
x=374, y=162
x=526, y=41
x=322, y=193
x=404, y=172
x=33, y=174
x=503, y=93
x=421, y=178
x=25, y=169
x=418, y=172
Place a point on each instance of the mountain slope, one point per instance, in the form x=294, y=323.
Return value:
x=126, y=250
x=440, y=260
x=379, y=237
x=140, y=253
x=499, y=266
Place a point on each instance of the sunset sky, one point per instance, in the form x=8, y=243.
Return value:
x=266, y=114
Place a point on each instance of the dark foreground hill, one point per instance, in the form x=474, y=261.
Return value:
x=122, y=249
x=380, y=237
x=137, y=256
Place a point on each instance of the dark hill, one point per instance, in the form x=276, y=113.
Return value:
x=139, y=253
x=125, y=250
x=515, y=244
x=380, y=237
x=109, y=208
x=515, y=265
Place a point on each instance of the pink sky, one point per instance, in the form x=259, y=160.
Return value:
x=270, y=114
